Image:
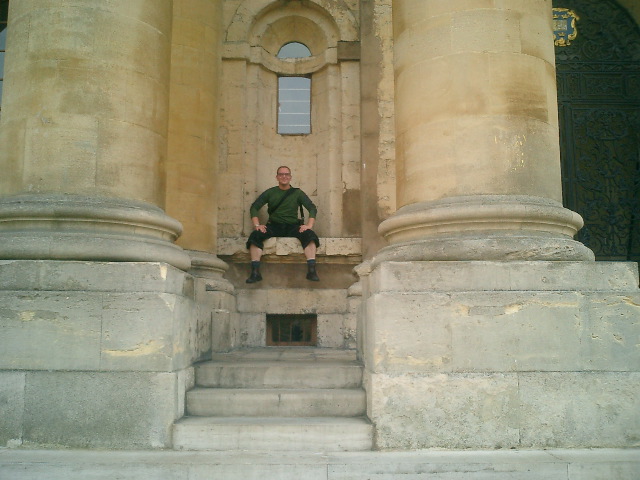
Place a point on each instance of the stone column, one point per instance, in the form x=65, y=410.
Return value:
x=478, y=162
x=192, y=161
x=474, y=335
x=84, y=132
x=99, y=326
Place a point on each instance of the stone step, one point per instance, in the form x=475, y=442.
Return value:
x=270, y=374
x=315, y=434
x=262, y=402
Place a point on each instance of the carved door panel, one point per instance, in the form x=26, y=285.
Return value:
x=598, y=77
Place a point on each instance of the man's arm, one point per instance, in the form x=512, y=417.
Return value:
x=253, y=211
x=257, y=226
x=311, y=208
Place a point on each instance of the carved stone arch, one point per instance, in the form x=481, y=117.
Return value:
x=277, y=27
x=251, y=11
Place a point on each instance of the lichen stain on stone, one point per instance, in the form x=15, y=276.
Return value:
x=140, y=350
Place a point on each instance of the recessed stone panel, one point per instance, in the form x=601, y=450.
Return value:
x=11, y=408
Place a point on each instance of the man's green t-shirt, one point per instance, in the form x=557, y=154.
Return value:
x=287, y=212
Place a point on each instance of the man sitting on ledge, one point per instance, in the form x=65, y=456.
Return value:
x=283, y=204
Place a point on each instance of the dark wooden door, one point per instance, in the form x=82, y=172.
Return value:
x=598, y=78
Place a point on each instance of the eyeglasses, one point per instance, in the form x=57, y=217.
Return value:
x=283, y=174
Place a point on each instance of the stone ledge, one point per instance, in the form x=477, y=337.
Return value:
x=91, y=276
x=560, y=464
x=281, y=246
x=288, y=300
x=443, y=276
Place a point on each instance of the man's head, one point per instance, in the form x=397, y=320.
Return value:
x=283, y=175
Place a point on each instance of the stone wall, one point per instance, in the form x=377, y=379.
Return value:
x=503, y=354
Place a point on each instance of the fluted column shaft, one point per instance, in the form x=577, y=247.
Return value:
x=84, y=132
x=477, y=134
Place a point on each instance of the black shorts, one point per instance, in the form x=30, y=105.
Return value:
x=257, y=238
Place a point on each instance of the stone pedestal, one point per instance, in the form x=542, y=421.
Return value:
x=503, y=354
x=95, y=354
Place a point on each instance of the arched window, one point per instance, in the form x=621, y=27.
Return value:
x=294, y=50
x=294, y=95
x=4, y=15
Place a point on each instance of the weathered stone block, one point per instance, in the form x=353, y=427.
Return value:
x=95, y=354
x=445, y=410
x=222, y=326
x=11, y=408
x=330, y=328
x=50, y=330
x=80, y=316
x=146, y=332
x=100, y=409
x=509, y=355
x=292, y=301
x=252, y=330
x=39, y=275
x=610, y=332
x=579, y=409
x=511, y=276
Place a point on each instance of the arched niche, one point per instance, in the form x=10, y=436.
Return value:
x=325, y=162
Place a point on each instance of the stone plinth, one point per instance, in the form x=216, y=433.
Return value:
x=96, y=354
x=503, y=354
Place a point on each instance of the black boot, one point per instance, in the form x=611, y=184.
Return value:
x=311, y=271
x=255, y=273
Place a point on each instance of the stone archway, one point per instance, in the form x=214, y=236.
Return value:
x=599, y=111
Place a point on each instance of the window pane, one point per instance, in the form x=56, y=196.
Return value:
x=294, y=50
x=294, y=130
x=3, y=35
x=294, y=105
x=1, y=65
x=294, y=108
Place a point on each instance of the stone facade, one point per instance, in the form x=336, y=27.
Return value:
x=134, y=135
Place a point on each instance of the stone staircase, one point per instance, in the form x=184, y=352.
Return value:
x=277, y=399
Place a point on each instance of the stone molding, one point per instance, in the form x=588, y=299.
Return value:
x=239, y=28
x=483, y=227
x=75, y=227
x=282, y=246
x=210, y=267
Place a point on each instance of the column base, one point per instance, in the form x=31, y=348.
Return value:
x=73, y=227
x=483, y=227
